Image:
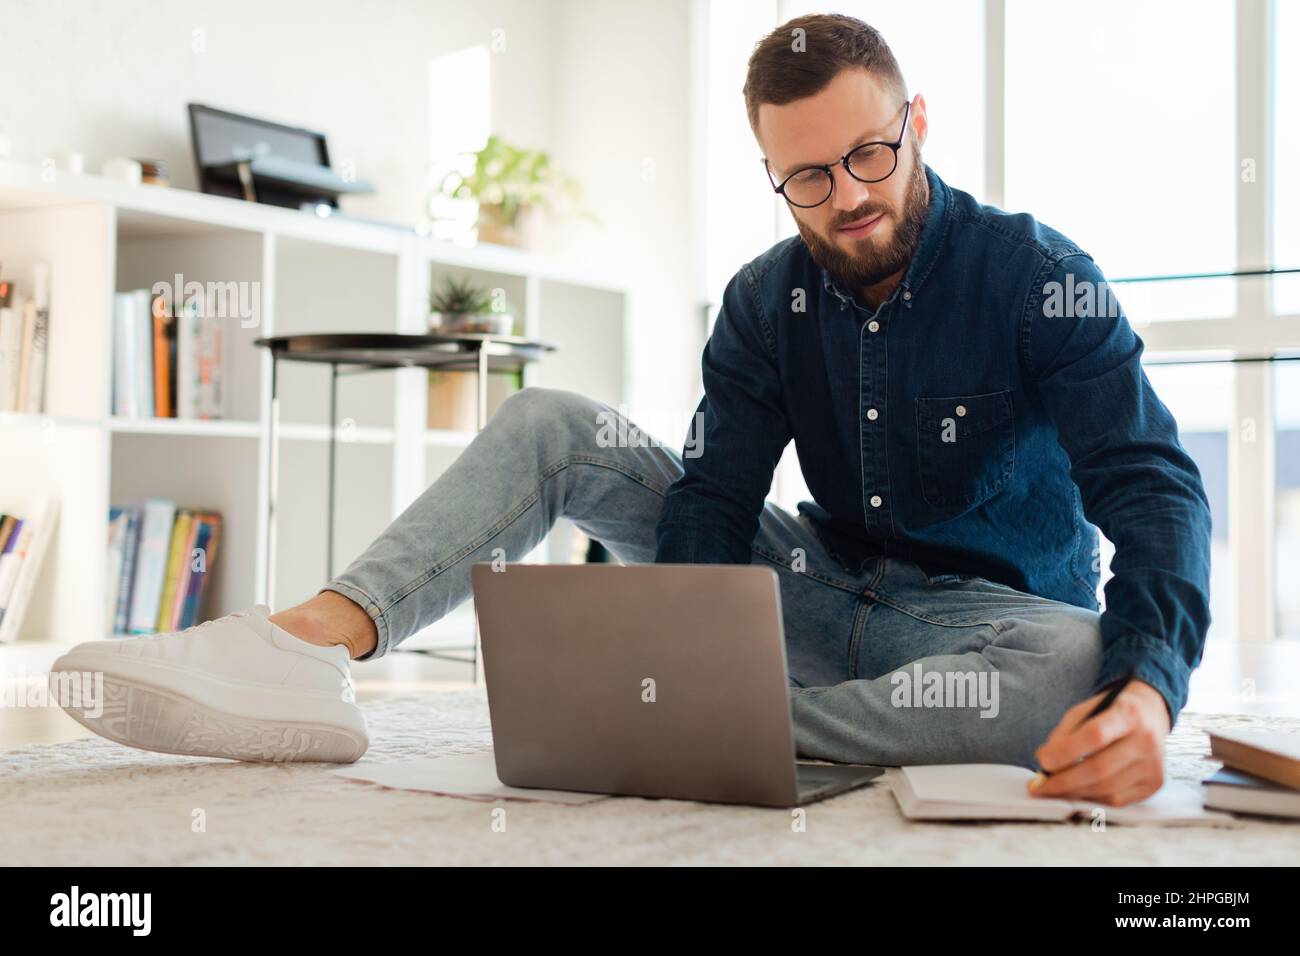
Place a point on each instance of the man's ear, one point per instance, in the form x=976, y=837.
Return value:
x=919, y=121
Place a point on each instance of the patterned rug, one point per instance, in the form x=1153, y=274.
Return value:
x=92, y=802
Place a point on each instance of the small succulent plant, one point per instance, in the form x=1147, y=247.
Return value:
x=460, y=298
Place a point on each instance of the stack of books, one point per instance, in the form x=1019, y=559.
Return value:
x=1260, y=773
x=26, y=528
x=167, y=362
x=24, y=337
x=160, y=558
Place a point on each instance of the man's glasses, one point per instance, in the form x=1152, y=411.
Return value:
x=868, y=163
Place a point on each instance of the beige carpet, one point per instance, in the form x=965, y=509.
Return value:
x=91, y=802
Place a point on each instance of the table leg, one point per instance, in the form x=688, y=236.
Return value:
x=482, y=386
x=329, y=520
x=482, y=420
x=272, y=478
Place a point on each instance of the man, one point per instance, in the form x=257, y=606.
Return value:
x=961, y=426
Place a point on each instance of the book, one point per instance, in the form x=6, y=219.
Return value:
x=10, y=356
x=202, y=555
x=159, y=558
x=27, y=336
x=24, y=328
x=187, y=570
x=162, y=332
x=210, y=344
x=35, y=396
x=187, y=359
x=999, y=792
x=1241, y=793
x=126, y=583
x=142, y=323
x=168, y=360
x=117, y=522
x=177, y=559
x=150, y=565
x=33, y=527
x=133, y=381
x=18, y=536
x=1270, y=754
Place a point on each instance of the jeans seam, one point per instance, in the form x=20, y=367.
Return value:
x=855, y=639
x=920, y=615
x=512, y=516
x=776, y=558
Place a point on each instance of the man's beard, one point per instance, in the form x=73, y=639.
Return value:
x=871, y=263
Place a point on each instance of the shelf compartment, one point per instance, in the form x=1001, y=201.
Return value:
x=208, y=472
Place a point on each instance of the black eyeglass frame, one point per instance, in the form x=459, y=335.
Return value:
x=828, y=168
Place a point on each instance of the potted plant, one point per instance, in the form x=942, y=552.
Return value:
x=509, y=183
x=461, y=306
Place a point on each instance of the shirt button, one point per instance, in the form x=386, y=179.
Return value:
x=873, y=326
x=907, y=297
x=961, y=410
x=876, y=501
x=872, y=414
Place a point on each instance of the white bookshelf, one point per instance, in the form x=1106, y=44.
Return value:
x=313, y=274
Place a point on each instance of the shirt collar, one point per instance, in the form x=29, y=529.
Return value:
x=927, y=250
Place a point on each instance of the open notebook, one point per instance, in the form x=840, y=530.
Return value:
x=986, y=791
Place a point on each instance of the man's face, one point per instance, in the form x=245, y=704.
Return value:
x=866, y=232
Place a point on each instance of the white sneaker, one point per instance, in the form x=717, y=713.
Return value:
x=237, y=687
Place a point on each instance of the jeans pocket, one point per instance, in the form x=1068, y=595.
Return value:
x=966, y=449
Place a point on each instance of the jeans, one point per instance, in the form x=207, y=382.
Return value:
x=889, y=666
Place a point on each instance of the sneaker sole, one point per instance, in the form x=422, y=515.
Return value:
x=143, y=715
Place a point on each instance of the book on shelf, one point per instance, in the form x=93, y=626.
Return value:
x=26, y=527
x=160, y=558
x=167, y=361
x=24, y=341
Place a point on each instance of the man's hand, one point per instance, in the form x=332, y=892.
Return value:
x=1115, y=758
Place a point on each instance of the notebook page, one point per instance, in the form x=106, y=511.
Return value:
x=966, y=785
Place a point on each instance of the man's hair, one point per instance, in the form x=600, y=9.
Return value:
x=801, y=57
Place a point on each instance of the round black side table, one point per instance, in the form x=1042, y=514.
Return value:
x=353, y=352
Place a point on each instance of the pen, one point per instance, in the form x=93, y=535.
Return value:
x=1116, y=688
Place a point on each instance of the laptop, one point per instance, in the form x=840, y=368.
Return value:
x=652, y=680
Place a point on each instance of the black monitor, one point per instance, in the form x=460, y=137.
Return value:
x=249, y=158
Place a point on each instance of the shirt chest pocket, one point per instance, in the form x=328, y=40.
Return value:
x=966, y=449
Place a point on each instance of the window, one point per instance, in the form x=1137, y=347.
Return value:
x=459, y=124
x=1201, y=400
x=1286, y=146
x=1286, y=452
x=1126, y=125
x=740, y=207
x=1115, y=138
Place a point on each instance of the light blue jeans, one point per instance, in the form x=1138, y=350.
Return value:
x=888, y=667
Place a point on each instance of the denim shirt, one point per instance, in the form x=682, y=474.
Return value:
x=986, y=419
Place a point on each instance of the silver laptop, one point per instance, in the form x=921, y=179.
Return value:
x=655, y=680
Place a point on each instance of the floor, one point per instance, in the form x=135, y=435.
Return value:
x=90, y=802
x=1232, y=679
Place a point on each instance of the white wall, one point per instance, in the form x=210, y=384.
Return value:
x=113, y=78
x=625, y=128
x=603, y=83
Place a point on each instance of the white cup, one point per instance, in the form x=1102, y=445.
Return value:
x=68, y=161
x=120, y=167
